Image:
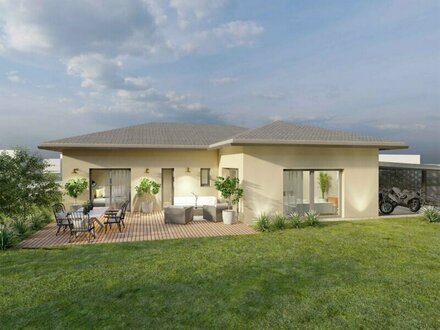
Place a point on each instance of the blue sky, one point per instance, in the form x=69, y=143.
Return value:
x=74, y=67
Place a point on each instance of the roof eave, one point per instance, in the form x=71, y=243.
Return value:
x=382, y=145
x=105, y=146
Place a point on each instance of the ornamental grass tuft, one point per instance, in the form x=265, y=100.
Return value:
x=431, y=214
x=262, y=223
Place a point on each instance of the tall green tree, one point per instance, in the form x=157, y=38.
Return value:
x=25, y=184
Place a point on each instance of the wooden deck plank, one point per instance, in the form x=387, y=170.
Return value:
x=138, y=227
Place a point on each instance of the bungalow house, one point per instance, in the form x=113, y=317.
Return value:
x=280, y=166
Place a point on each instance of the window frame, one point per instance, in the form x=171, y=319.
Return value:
x=205, y=184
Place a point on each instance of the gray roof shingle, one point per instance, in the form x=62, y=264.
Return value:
x=204, y=136
x=280, y=132
x=150, y=135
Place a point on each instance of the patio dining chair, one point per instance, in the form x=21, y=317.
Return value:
x=81, y=223
x=116, y=217
x=61, y=217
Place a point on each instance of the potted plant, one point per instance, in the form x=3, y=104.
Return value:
x=147, y=188
x=229, y=190
x=324, y=184
x=74, y=188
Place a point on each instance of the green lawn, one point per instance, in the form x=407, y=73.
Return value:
x=360, y=274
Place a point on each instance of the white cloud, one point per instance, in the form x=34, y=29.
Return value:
x=233, y=34
x=222, y=80
x=99, y=40
x=138, y=82
x=96, y=71
x=189, y=10
x=15, y=78
x=75, y=27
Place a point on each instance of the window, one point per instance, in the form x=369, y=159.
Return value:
x=305, y=190
x=230, y=172
x=204, y=177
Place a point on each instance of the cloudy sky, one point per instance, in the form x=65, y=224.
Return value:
x=74, y=67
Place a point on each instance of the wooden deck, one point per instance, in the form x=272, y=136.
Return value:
x=138, y=227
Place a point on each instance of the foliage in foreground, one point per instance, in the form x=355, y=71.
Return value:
x=13, y=230
x=346, y=275
x=6, y=237
x=25, y=184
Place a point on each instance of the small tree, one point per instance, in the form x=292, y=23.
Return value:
x=25, y=184
x=324, y=183
x=75, y=187
x=147, y=186
x=229, y=189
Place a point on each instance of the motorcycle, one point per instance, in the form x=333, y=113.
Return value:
x=388, y=200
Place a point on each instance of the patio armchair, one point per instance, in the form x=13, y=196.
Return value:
x=61, y=217
x=81, y=223
x=214, y=212
x=116, y=217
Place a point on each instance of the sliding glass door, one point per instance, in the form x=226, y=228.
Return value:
x=110, y=187
x=306, y=190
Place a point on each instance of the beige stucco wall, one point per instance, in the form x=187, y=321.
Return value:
x=138, y=160
x=260, y=172
x=262, y=177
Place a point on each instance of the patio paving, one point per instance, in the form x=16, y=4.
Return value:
x=138, y=227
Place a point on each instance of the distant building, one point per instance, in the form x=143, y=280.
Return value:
x=54, y=164
x=403, y=159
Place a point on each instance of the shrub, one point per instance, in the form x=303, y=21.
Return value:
x=431, y=214
x=278, y=222
x=38, y=220
x=311, y=218
x=20, y=225
x=47, y=216
x=262, y=223
x=295, y=220
x=6, y=237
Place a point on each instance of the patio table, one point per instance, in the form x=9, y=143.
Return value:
x=96, y=214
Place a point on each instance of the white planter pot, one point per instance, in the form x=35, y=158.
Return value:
x=228, y=217
x=147, y=206
x=322, y=200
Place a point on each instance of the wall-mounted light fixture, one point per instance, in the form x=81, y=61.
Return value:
x=75, y=170
x=147, y=170
x=188, y=170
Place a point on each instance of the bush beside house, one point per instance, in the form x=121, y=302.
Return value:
x=28, y=191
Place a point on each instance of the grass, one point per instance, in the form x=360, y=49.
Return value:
x=360, y=274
